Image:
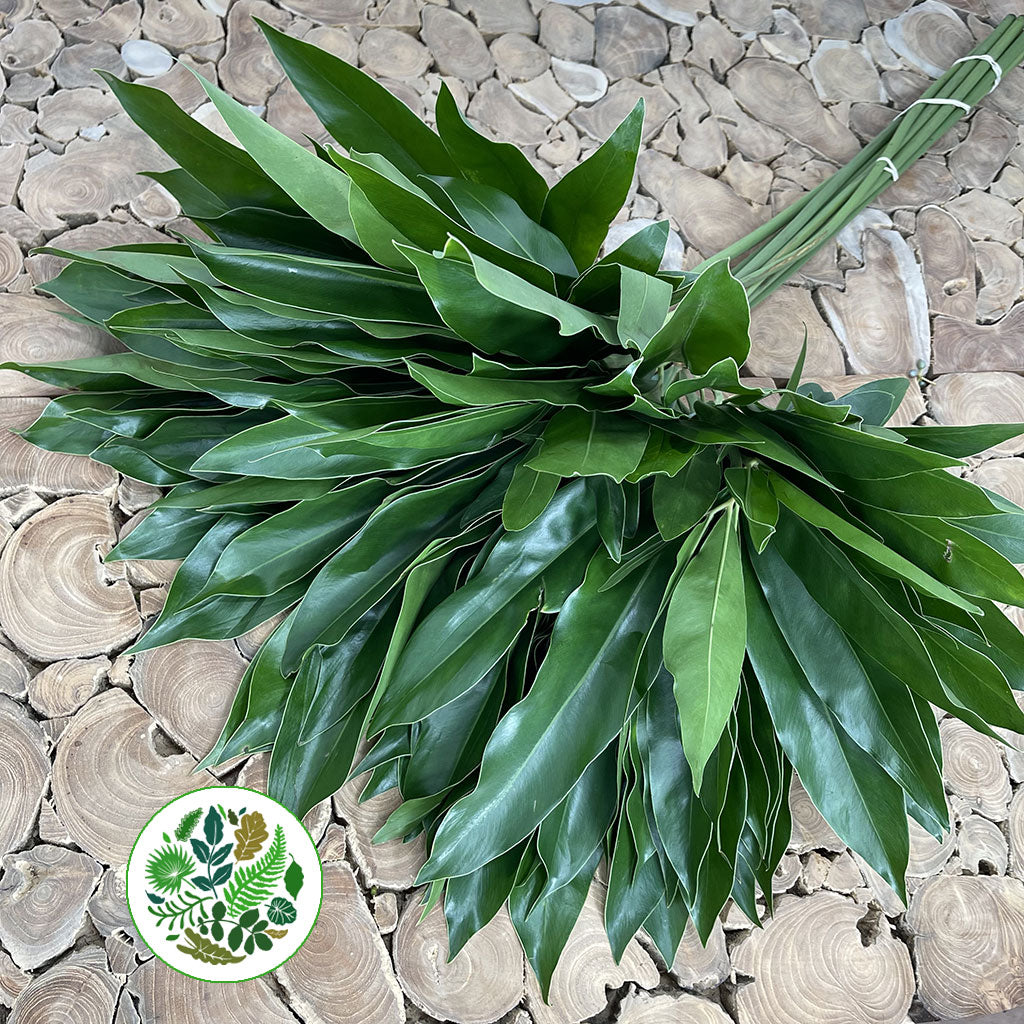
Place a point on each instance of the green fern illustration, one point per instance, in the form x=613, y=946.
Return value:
x=254, y=883
x=187, y=825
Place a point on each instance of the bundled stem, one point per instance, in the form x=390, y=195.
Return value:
x=768, y=256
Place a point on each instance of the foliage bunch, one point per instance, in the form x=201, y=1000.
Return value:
x=584, y=591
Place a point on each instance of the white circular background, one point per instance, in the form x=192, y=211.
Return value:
x=298, y=844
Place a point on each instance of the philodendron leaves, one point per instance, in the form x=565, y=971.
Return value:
x=540, y=558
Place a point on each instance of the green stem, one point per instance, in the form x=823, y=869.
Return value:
x=769, y=255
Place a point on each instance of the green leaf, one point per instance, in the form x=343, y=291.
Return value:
x=705, y=637
x=598, y=287
x=497, y=164
x=681, y=501
x=253, y=883
x=472, y=900
x=206, y=950
x=580, y=443
x=859, y=800
x=581, y=206
x=751, y=488
x=643, y=309
x=960, y=442
x=528, y=494
x=574, y=709
x=877, y=401
x=357, y=111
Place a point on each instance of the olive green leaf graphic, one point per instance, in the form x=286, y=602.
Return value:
x=277, y=933
x=281, y=911
x=187, y=825
x=254, y=883
x=293, y=878
x=168, y=867
x=208, y=951
x=251, y=835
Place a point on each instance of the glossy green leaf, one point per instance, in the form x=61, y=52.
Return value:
x=580, y=443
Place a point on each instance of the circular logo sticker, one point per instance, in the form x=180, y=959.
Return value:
x=224, y=884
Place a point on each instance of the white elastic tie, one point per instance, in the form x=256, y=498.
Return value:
x=988, y=59
x=889, y=166
x=939, y=101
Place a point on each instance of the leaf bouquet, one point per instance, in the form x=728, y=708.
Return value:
x=539, y=557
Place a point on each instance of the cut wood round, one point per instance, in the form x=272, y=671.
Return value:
x=43, y=894
x=390, y=53
x=110, y=778
x=842, y=70
x=497, y=109
x=628, y=43
x=11, y=259
x=777, y=328
x=600, y=119
x=981, y=846
x=115, y=25
x=249, y=643
x=814, y=871
x=810, y=830
x=518, y=58
x=333, y=844
x=188, y=688
x=65, y=113
x=135, y=495
x=968, y=398
x=248, y=69
x=19, y=506
x=24, y=771
x=155, y=207
x=947, y=260
x=1002, y=279
x=180, y=25
x=13, y=980
x=78, y=990
x=480, y=985
x=788, y=41
x=342, y=974
x=928, y=855
x=930, y=37
x=965, y=345
x=391, y=865
x=51, y=828
x=166, y=995
x=288, y=112
x=385, y=912
x=455, y=44
x=146, y=572
x=63, y=687
x=34, y=332
x=986, y=216
x=57, y=598
x=670, y=1008
x=29, y=46
x=776, y=93
x=707, y=213
x=108, y=908
x=973, y=768
x=787, y=873
x=14, y=674
x=587, y=969
x=980, y=157
x=811, y=962
x=1005, y=476
x=881, y=318
x=565, y=33
x=1015, y=831
x=254, y=776
x=701, y=966
x=968, y=944
x=713, y=47
x=843, y=875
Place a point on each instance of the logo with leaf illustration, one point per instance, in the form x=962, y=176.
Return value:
x=226, y=886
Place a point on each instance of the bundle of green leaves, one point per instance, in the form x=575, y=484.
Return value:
x=542, y=560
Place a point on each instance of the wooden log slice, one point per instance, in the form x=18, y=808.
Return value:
x=390, y=53
x=930, y=37
x=842, y=70
x=43, y=895
x=881, y=318
x=1015, y=832
x=1005, y=476
x=968, y=944
x=29, y=46
x=776, y=93
x=78, y=990
x=701, y=966
x=982, y=847
x=11, y=261
x=57, y=598
x=977, y=160
x=985, y=216
x=13, y=981
x=810, y=830
x=670, y=1008
x=811, y=963
x=928, y=855
x=24, y=771
x=967, y=398
x=480, y=985
x=188, y=688
x=109, y=777
x=14, y=673
x=965, y=345
x=947, y=260
x=248, y=69
x=108, y=909
x=166, y=995
x=974, y=770
x=342, y=974
x=35, y=332
x=1002, y=280
x=777, y=333
x=391, y=865
x=63, y=687
x=180, y=25
x=587, y=969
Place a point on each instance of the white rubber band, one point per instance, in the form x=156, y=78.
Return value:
x=889, y=166
x=939, y=101
x=988, y=59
